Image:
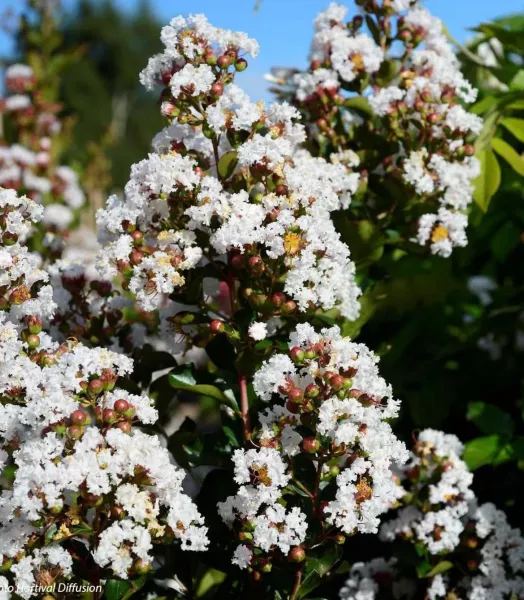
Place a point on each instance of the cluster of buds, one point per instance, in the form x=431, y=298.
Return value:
x=29, y=157
x=82, y=483
x=91, y=309
x=395, y=96
x=463, y=549
x=325, y=450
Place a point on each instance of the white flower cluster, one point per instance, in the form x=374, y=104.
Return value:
x=348, y=55
x=437, y=454
x=335, y=384
x=28, y=166
x=225, y=179
x=430, y=89
x=440, y=514
x=187, y=39
x=73, y=439
x=419, y=111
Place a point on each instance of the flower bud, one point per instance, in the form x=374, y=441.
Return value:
x=217, y=89
x=241, y=65
x=74, y=432
x=216, y=326
x=223, y=61
x=278, y=299
x=256, y=265
x=109, y=415
x=124, y=426
x=79, y=417
x=296, y=354
x=296, y=395
x=289, y=307
x=33, y=341
x=238, y=261
x=95, y=386
x=312, y=390
x=310, y=445
x=297, y=554
x=121, y=406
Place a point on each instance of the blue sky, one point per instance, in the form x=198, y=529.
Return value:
x=283, y=27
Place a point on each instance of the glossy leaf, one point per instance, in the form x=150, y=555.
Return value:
x=509, y=154
x=488, y=181
x=515, y=127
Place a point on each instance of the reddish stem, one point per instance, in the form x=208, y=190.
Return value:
x=244, y=406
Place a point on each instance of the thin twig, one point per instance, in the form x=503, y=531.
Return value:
x=296, y=585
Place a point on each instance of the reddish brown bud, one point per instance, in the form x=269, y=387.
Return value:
x=223, y=61
x=256, y=265
x=109, y=415
x=310, y=445
x=121, y=406
x=217, y=89
x=297, y=354
x=124, y=426
x=337, y=382
x=138, y=237
x=297, y=554
x=79, y=417
x=278, y=299
x=312, y=390
x=289, y=307
x=74, y=432
x=295, y=394
x=216, y=326
x=238, y=261
x=96, y=386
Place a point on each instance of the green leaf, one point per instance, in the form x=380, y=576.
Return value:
x=483, y=105
x=515, y=127
x=509, y=154
x=227, y=164
x=441, y=567
x=318, y=566
x=116, y=589
x=482, y=451
x=505, y=240
x=517, y=83
x=373, y=29
x=210, y=579
x=182, y=378
x=50, y=533
x=359, y=104
x=490, y=419
x=488, y=182
x=423, y=568
x=517, y=448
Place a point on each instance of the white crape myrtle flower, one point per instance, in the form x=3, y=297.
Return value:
x=440, y=515
x=351, y=405
x=120, y=543
x=179, y=211
x=73, y=438
x=349, y=54
x=242, y=557
x=442, y=231
x=258, y=331
x=4, y=589
x=201, y=35
x=34, y=571
x=361, y=584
